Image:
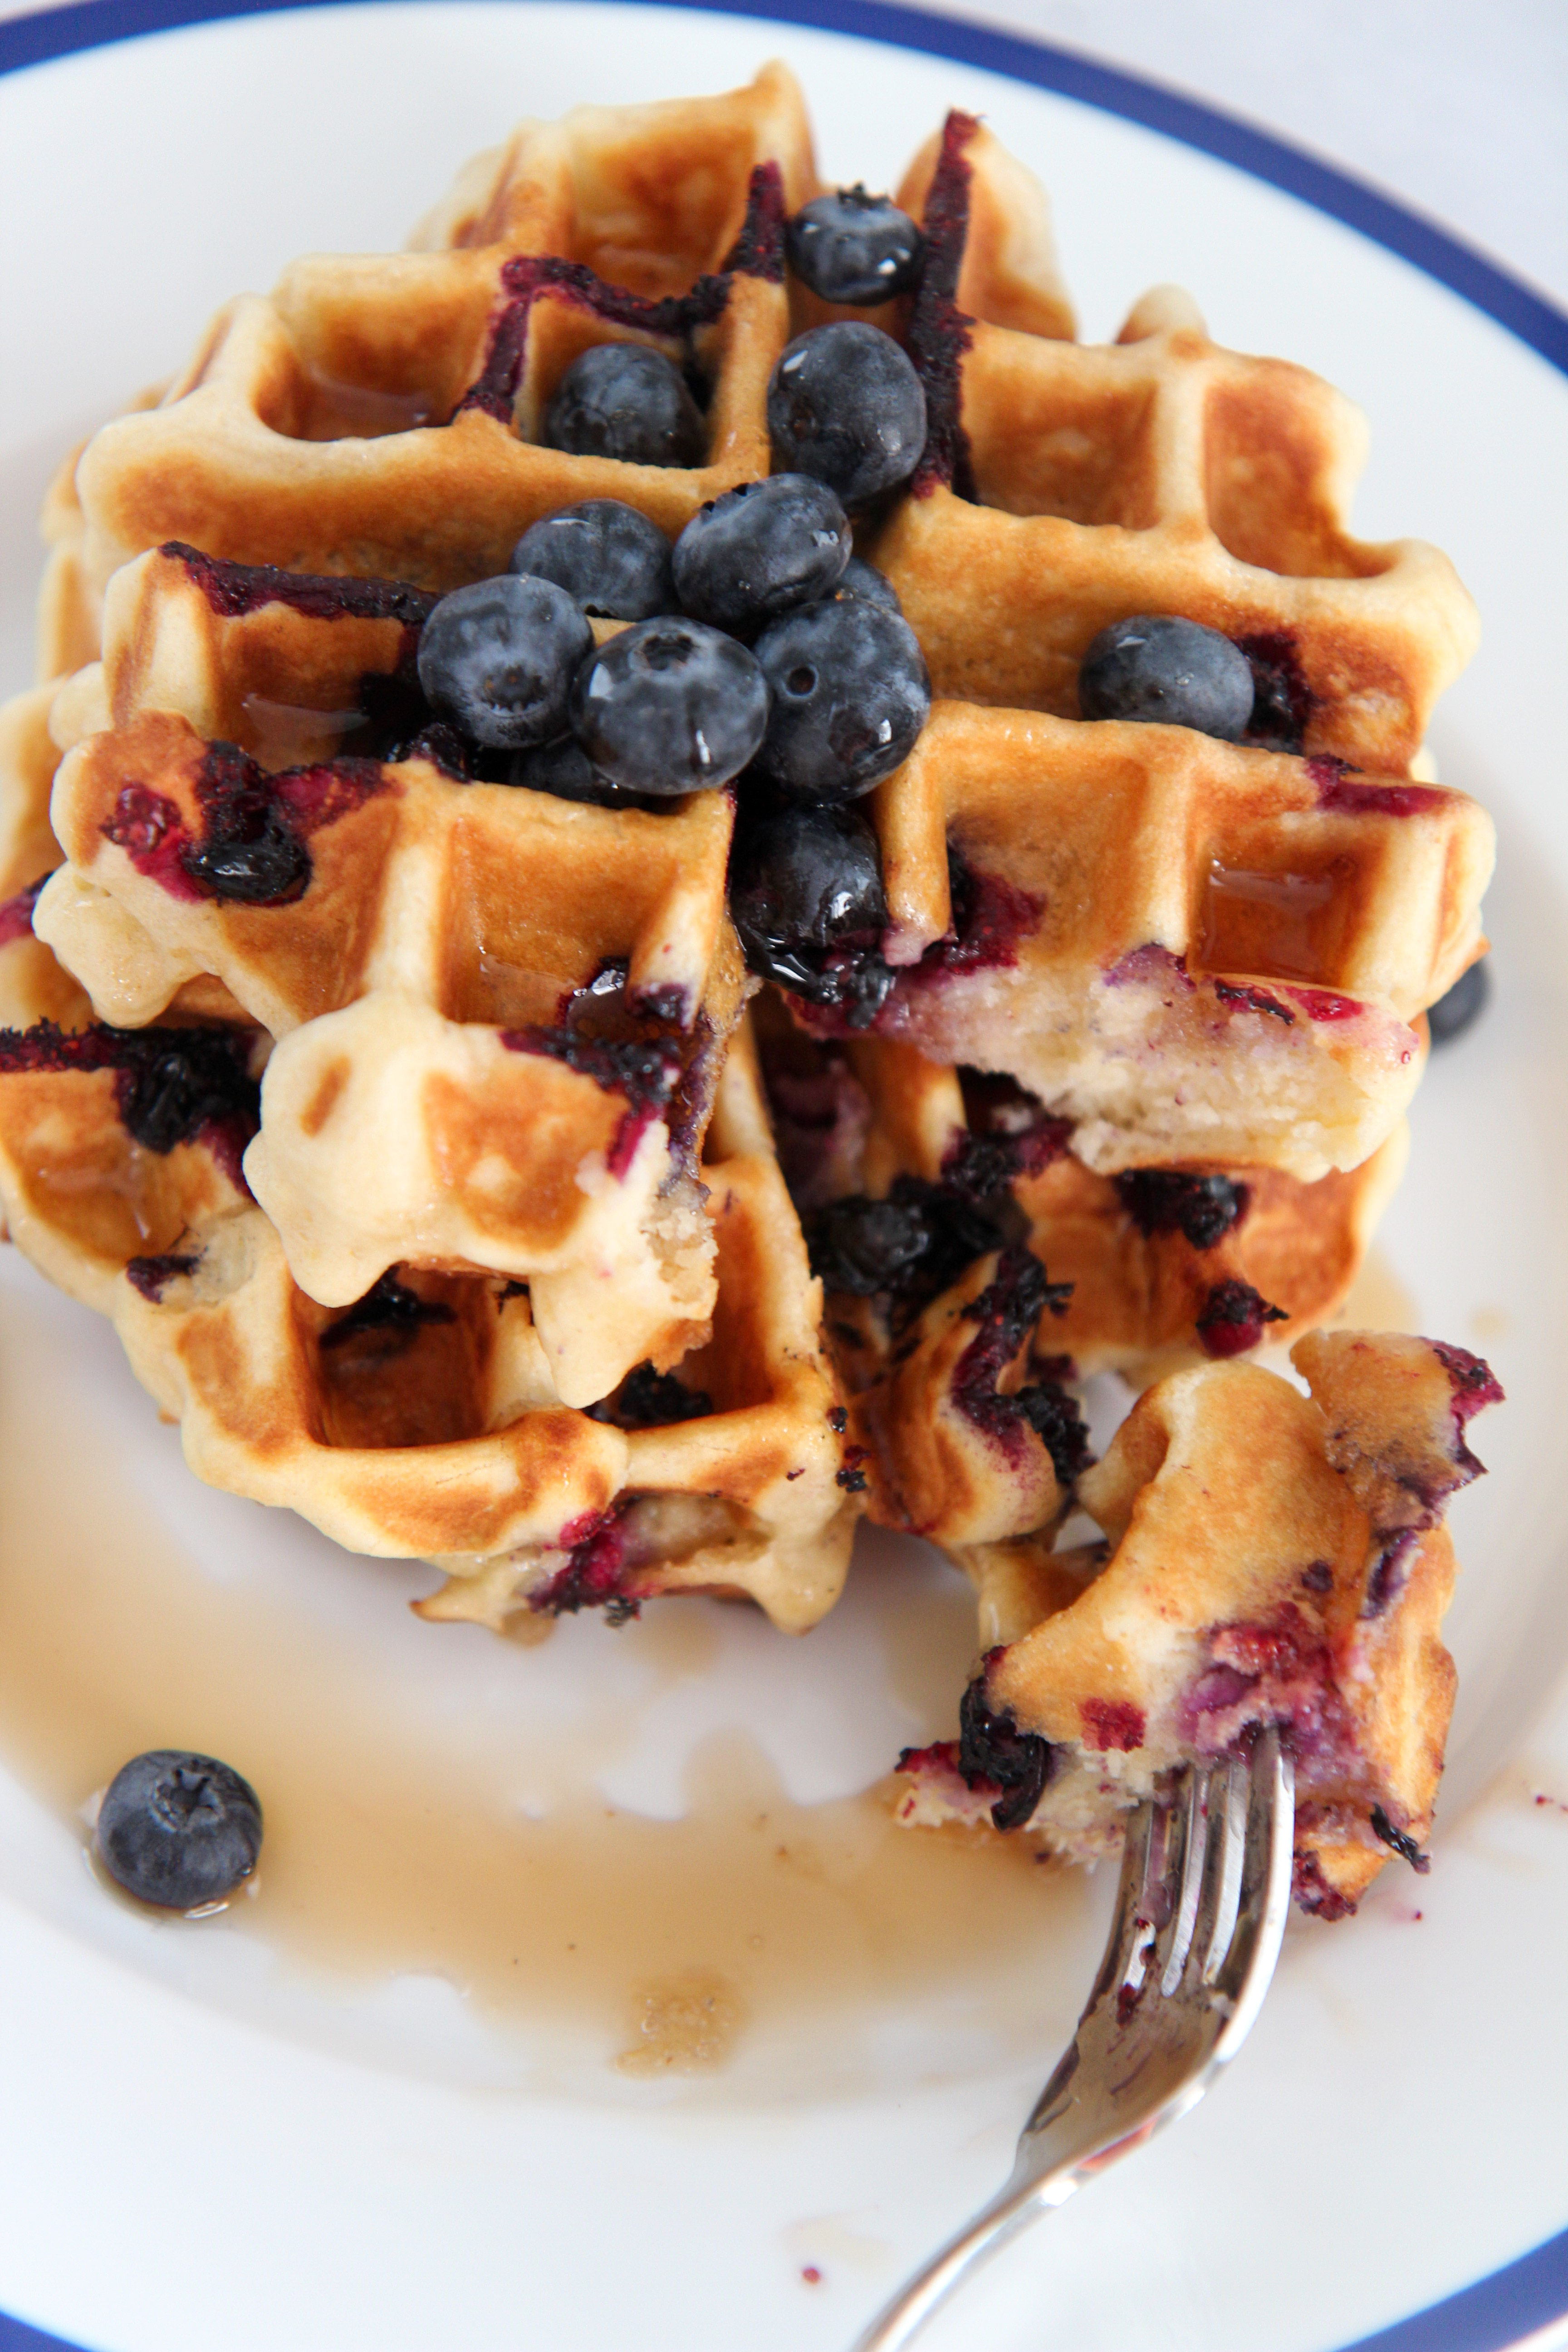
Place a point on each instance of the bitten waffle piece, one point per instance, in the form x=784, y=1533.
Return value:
x=1269, y=1559
x=1193, y=950
x=1066, y=485
x=424, y=1420
x=499, y=1014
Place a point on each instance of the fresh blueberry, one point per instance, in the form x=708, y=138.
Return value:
x=497, y=659
x=1453, y=1013
x=178, y=1830
x=850, y=695
x=669, y=705
x=564, y=769
x=852, y=248
x=846, y=405
x=1171, y=672
x=626, y=400
x=610, y=560
x=806, y=898
x=861, y=579
x=760, y=550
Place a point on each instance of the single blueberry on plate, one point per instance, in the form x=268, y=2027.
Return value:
x=497, y=659
x=1172, y=673
x=564, y=769
x=610, y=560
x=1453, y=1013
x=850, y=695
x=806, y=898
x=846, y=405
x=760, y=550
x=861, y=579
x=178, y=1830
x=669, y=705
x=626, y=400
x=853, y=247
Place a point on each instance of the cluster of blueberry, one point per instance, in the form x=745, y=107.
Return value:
x=759, y=648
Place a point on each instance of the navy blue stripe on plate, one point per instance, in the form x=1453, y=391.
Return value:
x=1494, y=2313
x=17, y=2338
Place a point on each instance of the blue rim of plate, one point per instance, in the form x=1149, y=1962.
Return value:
x=1501, y=2312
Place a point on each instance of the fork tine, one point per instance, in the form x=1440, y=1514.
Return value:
x=1220, y=1897
x=1172, y=1946
x=1264, y=1892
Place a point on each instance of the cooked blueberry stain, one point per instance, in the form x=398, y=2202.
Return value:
x=1202, y=1209
x=650, y=1399
x=1401, y=1842
x=991, y=1748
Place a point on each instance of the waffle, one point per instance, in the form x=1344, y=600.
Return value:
x=1268, y=1558
x=1192, y=950
x=377, y=414
x=1066, y=485
x=423, y=1422
x=489, y=1027
x=480, y=1062
x=1139, y=1275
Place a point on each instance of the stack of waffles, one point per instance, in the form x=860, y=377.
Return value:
x=464, y=1194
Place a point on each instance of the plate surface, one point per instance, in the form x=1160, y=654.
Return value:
x=412, y=2175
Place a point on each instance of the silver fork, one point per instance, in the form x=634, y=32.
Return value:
x=1205, y=1885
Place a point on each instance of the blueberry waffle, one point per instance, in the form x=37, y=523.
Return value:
x=392, y=414
x=486, y=664
x=480, y=1061
x=1268, y=1558
x=425, y=1420
x=976, y=1270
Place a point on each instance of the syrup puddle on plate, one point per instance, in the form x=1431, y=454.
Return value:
x=405, y=1842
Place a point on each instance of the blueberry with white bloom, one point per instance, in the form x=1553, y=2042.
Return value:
x=859, y=578
x=760, y=549
x=850, y=695
x=846, y=405
x=669, y=705
x=610, y=560
x=496, y=659
x=178, y=1830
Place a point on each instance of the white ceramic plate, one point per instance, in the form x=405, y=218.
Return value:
x=201, y=2143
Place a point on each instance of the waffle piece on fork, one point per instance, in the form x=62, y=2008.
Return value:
x=424, y=1420
x=1269, y=1559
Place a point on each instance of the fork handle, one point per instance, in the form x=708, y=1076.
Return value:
x=1029, y=2193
